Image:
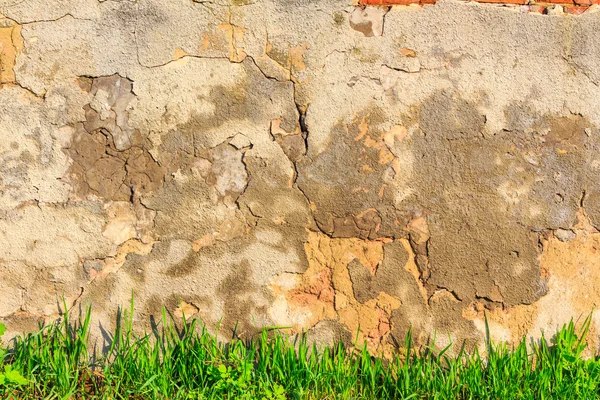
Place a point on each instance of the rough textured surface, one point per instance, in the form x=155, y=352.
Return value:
x=300, y=163
x=551, y=7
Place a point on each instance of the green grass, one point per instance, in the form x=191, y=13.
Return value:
x=186, y=362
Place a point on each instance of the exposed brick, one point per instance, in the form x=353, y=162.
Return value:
x=575, y=10
x=538, y=8
x=389, y=2
x=504, y=1
x=535, y=7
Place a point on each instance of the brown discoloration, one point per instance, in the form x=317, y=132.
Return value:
x=565, y=130
x=212, y=183
x=109, y=158
x=449, y=325
x=364, y=27
x=271, y=194
x=351, y=204
x=489, y=185
x=572, y=286
x=368, y=21
x=329, y=331
x=22, y=322
x=239, y=308
x=292, y=143
x=467, y=256
x=449, y=116
x=293, y=146
x=237, y=104
x=183, y=267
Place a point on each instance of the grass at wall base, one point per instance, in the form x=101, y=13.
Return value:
x=187, y=362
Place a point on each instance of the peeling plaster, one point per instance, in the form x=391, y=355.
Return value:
x=314, y=165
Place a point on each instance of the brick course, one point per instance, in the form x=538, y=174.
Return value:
x=574, y=7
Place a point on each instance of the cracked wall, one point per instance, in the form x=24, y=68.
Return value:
x=313, y=164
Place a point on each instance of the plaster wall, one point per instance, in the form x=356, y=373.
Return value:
x=305, y=163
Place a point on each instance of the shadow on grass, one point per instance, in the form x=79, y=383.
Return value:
x=180, y=359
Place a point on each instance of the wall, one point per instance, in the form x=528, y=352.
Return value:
x=550, y=7
x=302, y=163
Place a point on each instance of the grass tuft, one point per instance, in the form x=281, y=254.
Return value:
x=185, y=361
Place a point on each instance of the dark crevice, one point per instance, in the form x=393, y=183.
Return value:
x=271, y=78
x=439, y=289
x=28, y=90
x=490, y=304
x=582, y=199
x=387, y=10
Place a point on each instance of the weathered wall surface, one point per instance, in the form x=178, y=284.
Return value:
x=302, y=163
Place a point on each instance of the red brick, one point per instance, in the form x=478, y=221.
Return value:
x=388, y=2
x=537, y=8
x=578, y=6
x=504, y=1
x=575, y=10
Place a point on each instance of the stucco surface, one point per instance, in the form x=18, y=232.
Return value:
x=301, y=163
